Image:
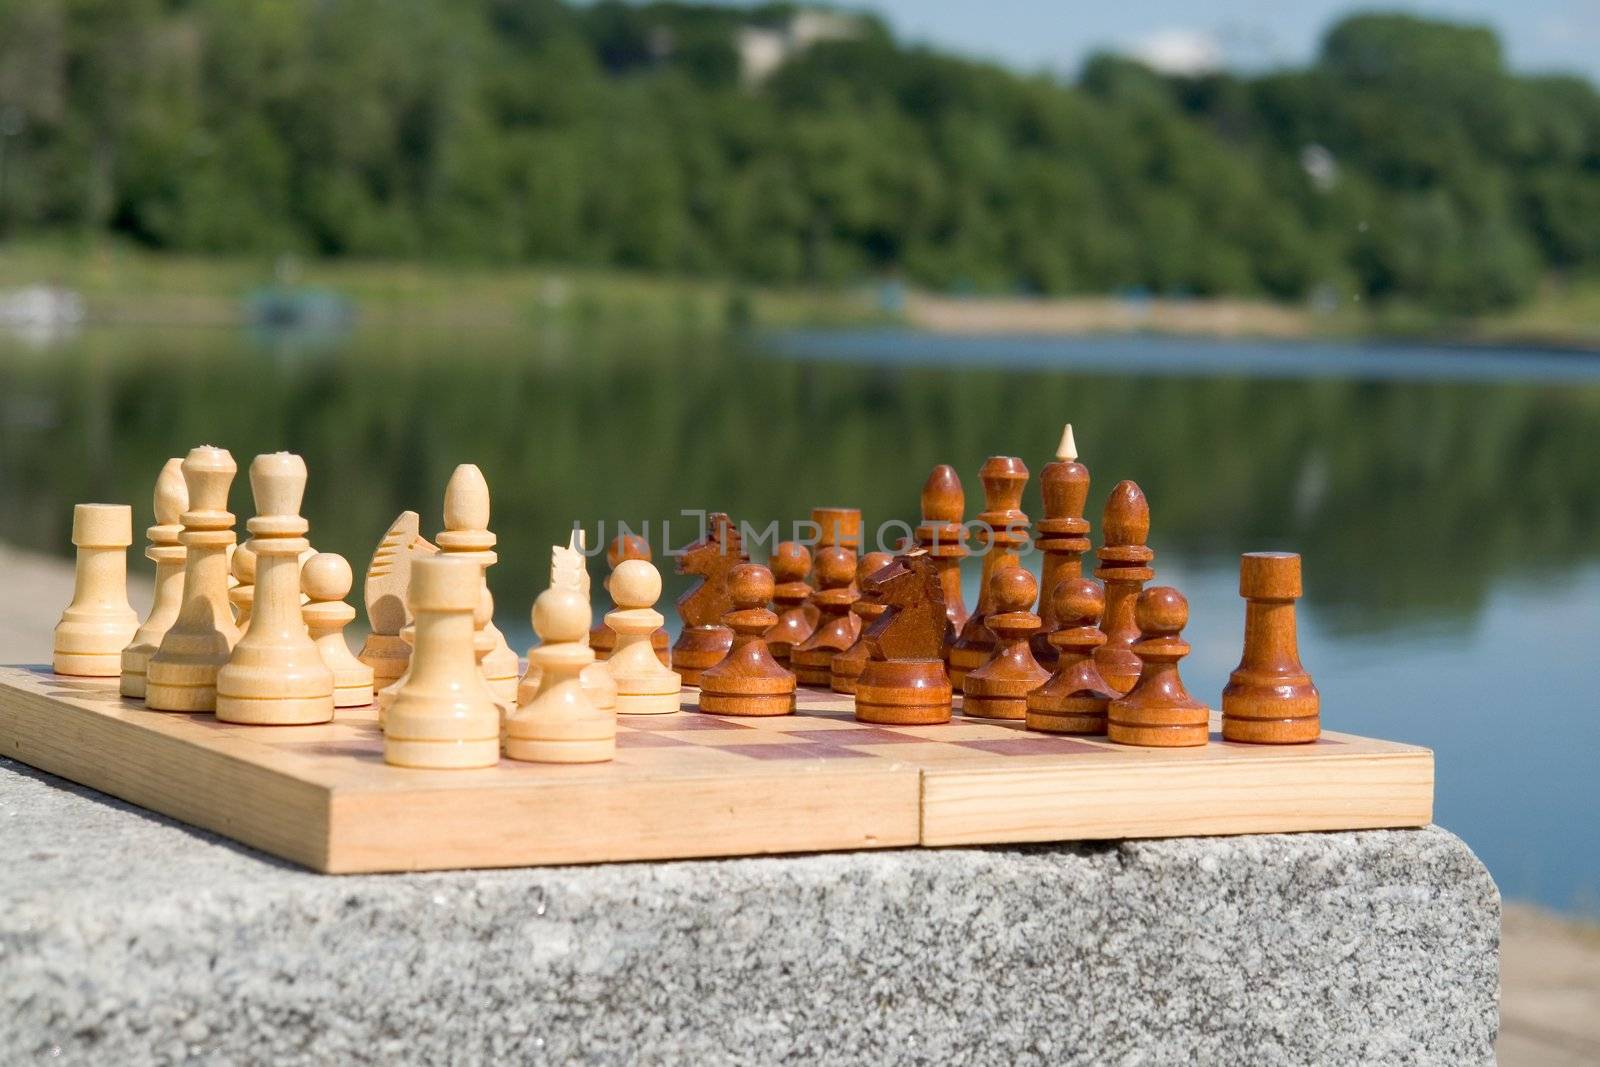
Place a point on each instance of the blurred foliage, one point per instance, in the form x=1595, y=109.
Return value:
x=1406, y=164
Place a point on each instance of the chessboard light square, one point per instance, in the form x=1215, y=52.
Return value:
x=728, y=738
x=648, y=739
x=1031, y=744
x=917, y=753
x=858, y=735
x=803, y=722
x=808, y=751
x=691, y=720
x=961, y=729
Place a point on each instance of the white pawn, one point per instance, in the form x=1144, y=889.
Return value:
x=443, y=716
x=99, y=623
x=326, y=579
x=598, y=681
x=275, y=675
x=560, y=723
x=644, y=685
x=167, y=553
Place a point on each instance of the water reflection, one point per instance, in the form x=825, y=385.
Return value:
x=1451, y=528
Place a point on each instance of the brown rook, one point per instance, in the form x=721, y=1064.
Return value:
x=1269, y=699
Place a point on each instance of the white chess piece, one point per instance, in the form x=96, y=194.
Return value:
x=326, y=579
x=560, y=723
x=644, y=686
x=466, y=535
x=182, y=675
x=167, y=553
x=598, y=681
x=443, y=715
x=99, y=623
x=276, y=676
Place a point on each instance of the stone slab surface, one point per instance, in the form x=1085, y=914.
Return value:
x=128, y=939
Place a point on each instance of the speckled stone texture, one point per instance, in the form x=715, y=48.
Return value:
x=128, y=939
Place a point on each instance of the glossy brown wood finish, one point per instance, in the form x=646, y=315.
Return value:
x=837, y=629
x=704, y=640
x=904, y=681
x=748, y=681
x=1124, y=568
x=847, y=666
x=942, y=536
x=1004, y=532
x=1063, y=536
x=838, y=526
x=1158, y=711
x=999, y=689
x=1075, y=699
x=790, y=563
x=1269, y=698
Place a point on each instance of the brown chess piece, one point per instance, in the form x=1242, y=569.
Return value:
x=748, y=681
x=602, y=638
x=999, y=689
x=1003, y=532
x=837, y=629
x=943, y=536
x=704, y=640
x=836, y=528
x=904, y=683
x=847, y=666
x=1075, y=699
x=1158, y=712
x=790, y=563
x=1063, y=535
x=1124, y=568
x=1269, y=699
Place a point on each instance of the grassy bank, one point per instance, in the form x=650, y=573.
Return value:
x=123, y=284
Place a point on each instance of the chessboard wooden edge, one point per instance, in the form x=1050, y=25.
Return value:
x=202, y=785
x=1372, y=790
x=253, y=794
x=245, y=791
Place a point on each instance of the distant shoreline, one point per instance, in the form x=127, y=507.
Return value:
x=125, y=286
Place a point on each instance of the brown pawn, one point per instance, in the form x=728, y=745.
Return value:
x=999, y=689
x=1004, y=532
x=847, y=666
x=790, y=563
x=1158, y=712
x=748, y=681
x=1124, y=568
x=1269, y=699
x=942, y=535
x=704, y=640
x=904, y=683
x=837, y=629
x=836, y=527
x=602, y=638
x=1063, y=535
x=1075, y=698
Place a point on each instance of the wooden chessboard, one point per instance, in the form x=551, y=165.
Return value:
x=692, y=784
